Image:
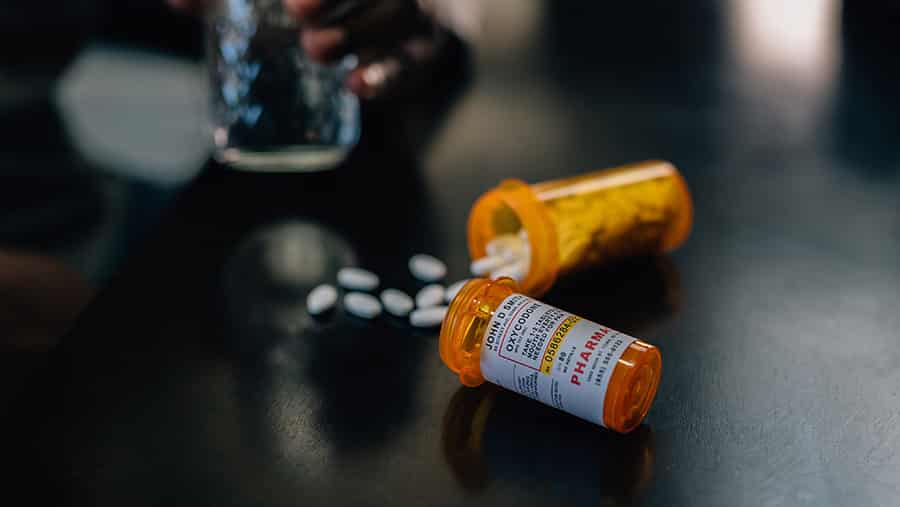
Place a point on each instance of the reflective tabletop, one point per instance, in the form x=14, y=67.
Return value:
x=196, y=376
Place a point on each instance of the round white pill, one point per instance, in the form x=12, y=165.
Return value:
x=487, y=264
x=357, y=279
x=430, y=295
x=396, y=302
x=427, y=268
x=362, y=305
x=428, y=317
x=321, y=299
x=453, y=290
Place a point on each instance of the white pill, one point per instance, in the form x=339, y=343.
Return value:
x=508, y=247
x=428, y=317
x=487, y=264
x=520, y=251
x=396, y=302
x=357, y=279
x=502, y=243
x=430, y=295
x=515, y=270
x=362, y=305
x=321, y=299
x=453, y=290
x=427, y=268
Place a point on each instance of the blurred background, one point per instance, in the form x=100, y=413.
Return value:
x=104, y=113
x=784, y=116
x=104, y=104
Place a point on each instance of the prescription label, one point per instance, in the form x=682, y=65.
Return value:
x=551, y=355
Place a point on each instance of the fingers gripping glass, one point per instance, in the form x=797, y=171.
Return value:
x=274, y=109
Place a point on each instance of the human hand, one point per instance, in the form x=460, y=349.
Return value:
x=391, y=38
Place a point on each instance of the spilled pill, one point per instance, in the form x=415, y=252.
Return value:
x=428, y=317
x=321, y=299
x=487, y=264
x=357, y=279
x=430, y=295
x=517, y=252
x=427, y=268
x=516, y=270
x=453, y=290
x=504, y=244
x=396, y=302
x=362, y=305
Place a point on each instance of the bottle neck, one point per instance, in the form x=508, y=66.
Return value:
x=466, y=323
x=507, y=208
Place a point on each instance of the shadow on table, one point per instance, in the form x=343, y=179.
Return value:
x=632, y=296
x=199, y=362
x=355, y=378
x=865, y=118
x=493, y=436
x=48, y=195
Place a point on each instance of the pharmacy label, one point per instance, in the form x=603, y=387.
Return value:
x=551, y=355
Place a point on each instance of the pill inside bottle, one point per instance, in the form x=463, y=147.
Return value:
x=494, y=333
x=586, y=220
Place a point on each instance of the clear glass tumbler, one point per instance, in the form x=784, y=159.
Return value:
x=274, y=109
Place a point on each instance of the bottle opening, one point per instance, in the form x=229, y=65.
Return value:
x=507, y=209
x=504, y=220
x=460, y=339
x=466, y=323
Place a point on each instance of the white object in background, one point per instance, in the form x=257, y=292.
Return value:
x=137, y=114
x=513, y=252
x=430, y=295
x=396, y=302
x=453, y=290
x=321, y=299
x=357, y=279
x=362, y=305
x=427, y=268
x=428, y=317
x=485, y=265
x=507, y=246
x=516, y=270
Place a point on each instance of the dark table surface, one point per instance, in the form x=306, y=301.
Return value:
x=196, y=378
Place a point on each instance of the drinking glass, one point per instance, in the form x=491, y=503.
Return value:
x=274, y=109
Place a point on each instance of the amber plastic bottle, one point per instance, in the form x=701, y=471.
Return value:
x=634, y=210
x=477, y=316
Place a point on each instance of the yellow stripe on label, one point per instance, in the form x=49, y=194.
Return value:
x=556, y=342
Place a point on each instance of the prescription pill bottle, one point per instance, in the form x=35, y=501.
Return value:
x=492, y=332
x=633, y=210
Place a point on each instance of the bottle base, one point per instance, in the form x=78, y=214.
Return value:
x=305, y=158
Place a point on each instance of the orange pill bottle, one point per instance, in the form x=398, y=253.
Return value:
x=492, y=332
x=634, y=210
